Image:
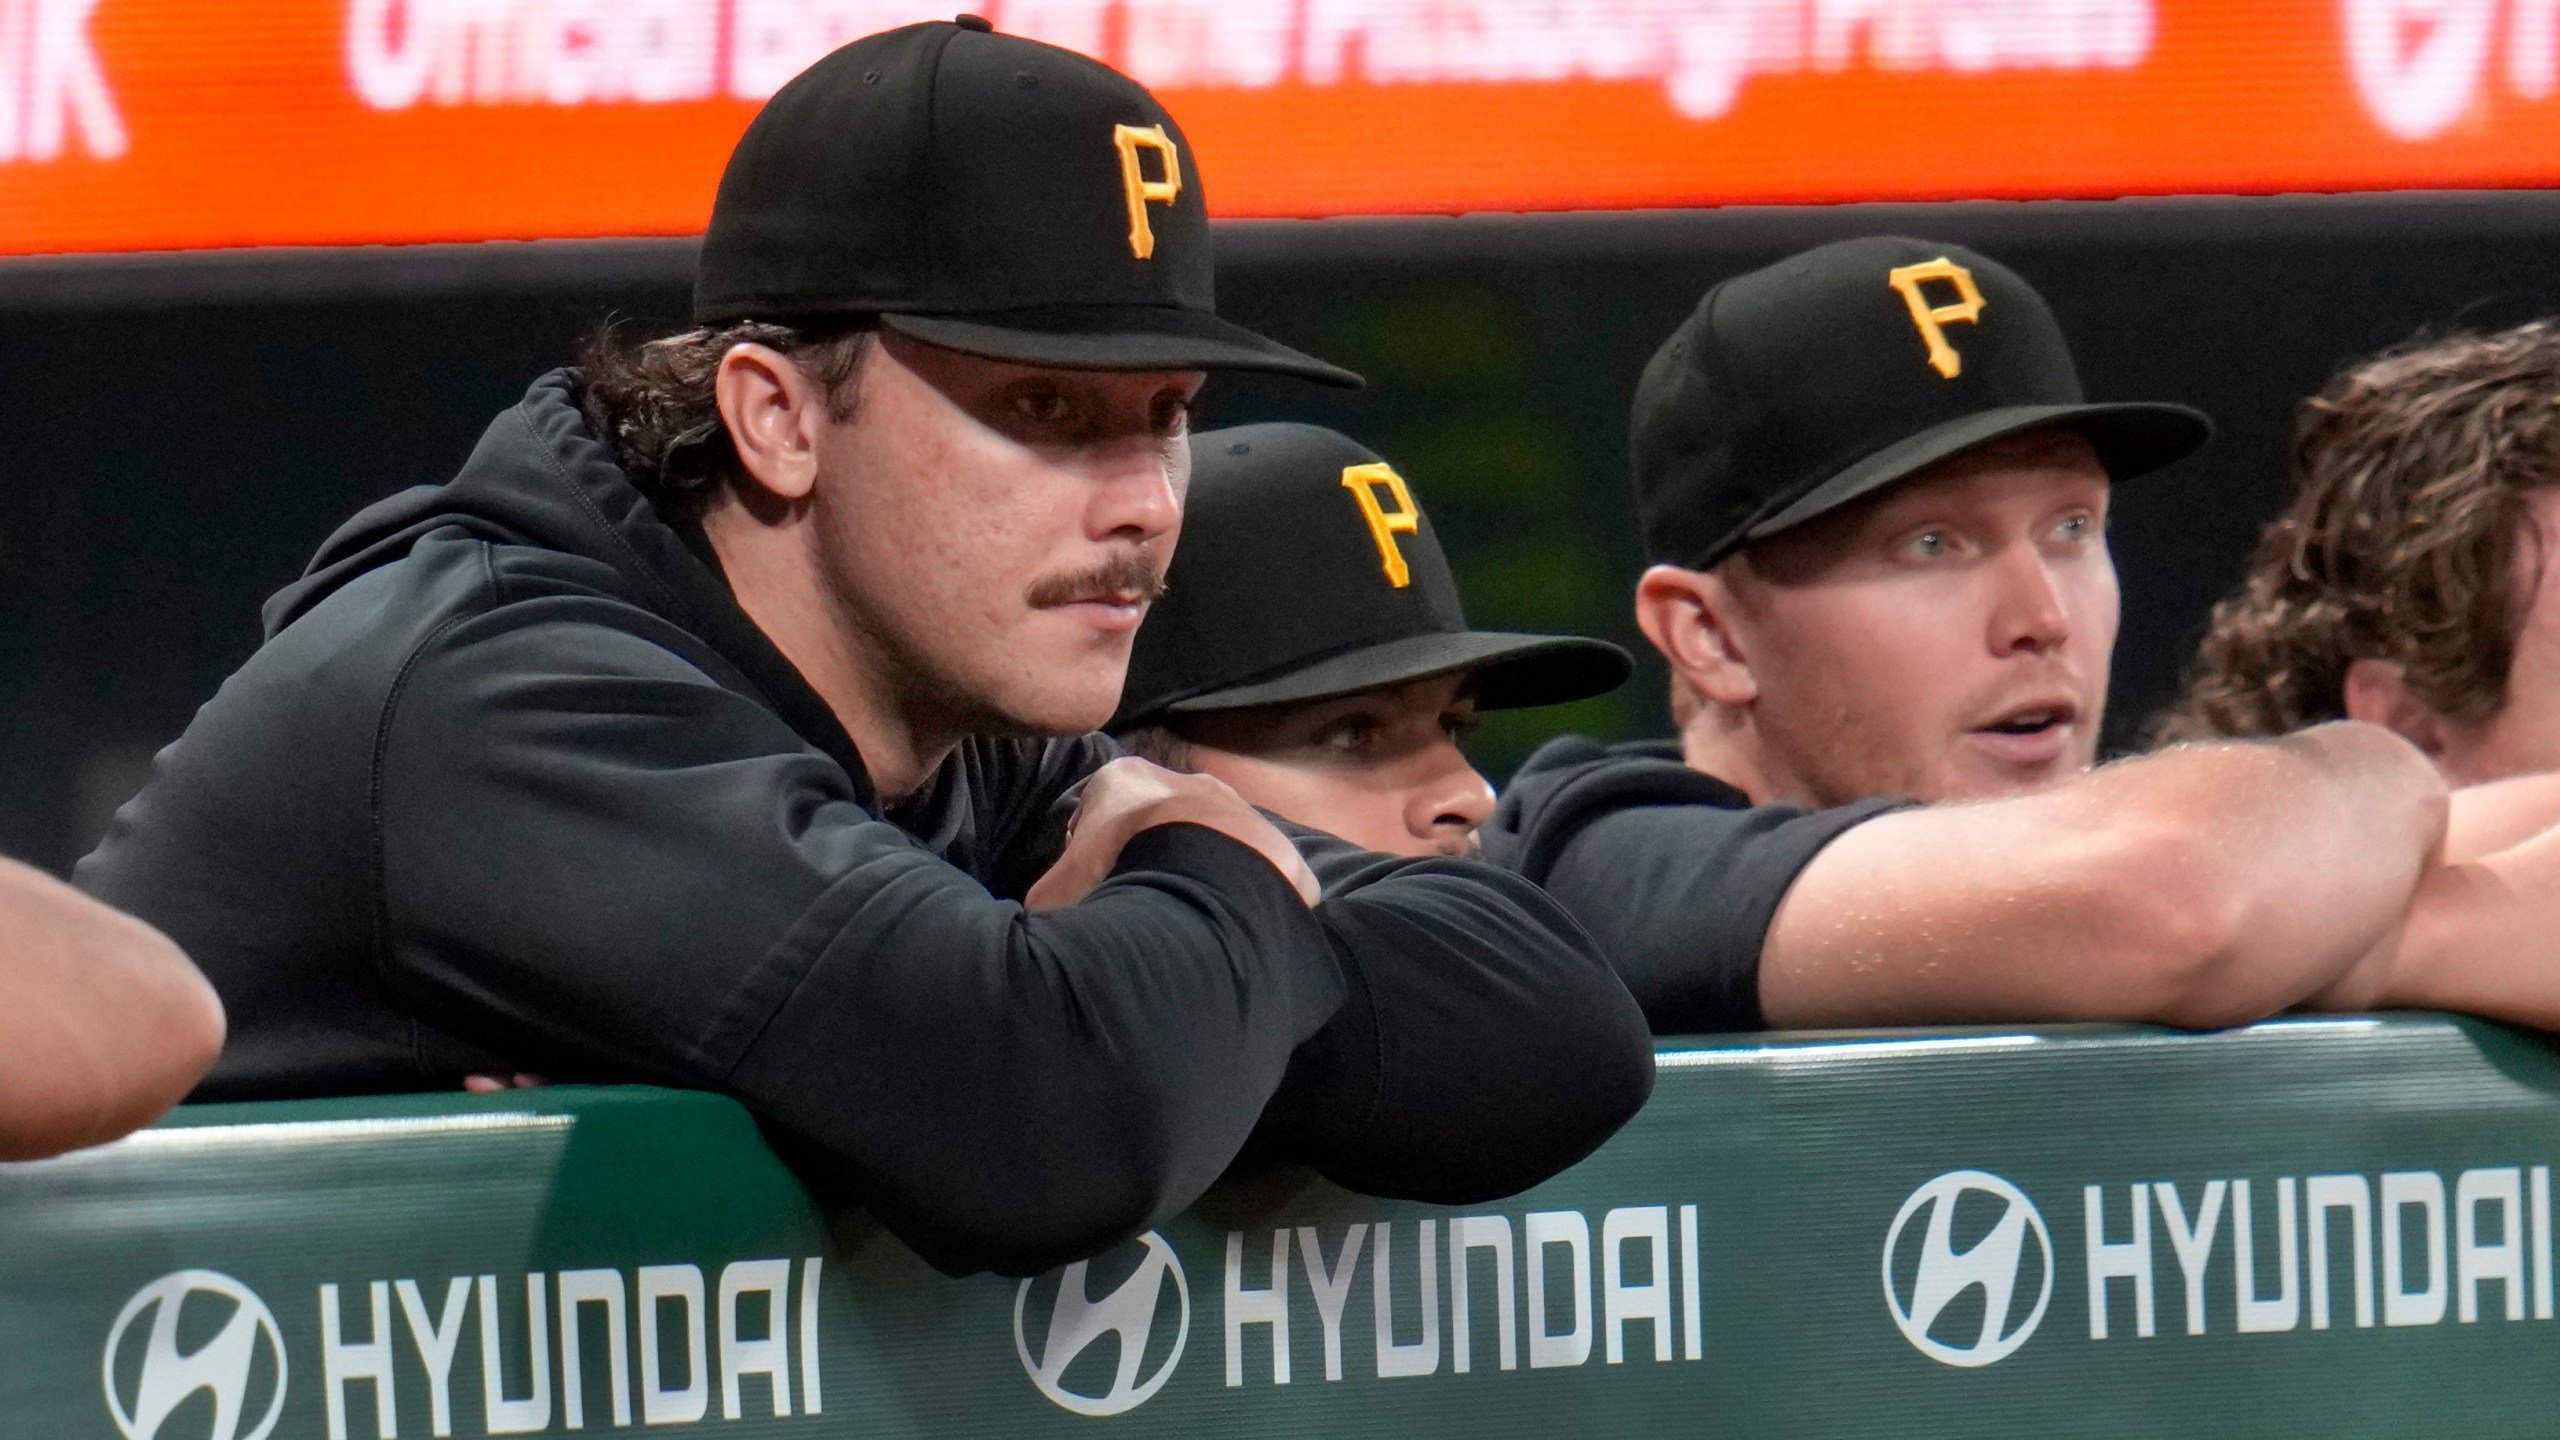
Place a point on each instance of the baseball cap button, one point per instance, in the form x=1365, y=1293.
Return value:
x=979, y=23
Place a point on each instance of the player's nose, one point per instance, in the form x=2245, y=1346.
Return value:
x=1450, y=801
x=1135, y=494
x=2028, y=613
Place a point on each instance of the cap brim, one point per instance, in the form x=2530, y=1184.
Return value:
x=1512, y=671
x=1117, y=337
x=2132, y=438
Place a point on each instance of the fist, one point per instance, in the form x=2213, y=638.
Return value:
x=1129, y=795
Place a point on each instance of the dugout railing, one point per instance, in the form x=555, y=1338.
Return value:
x=2333, y=1227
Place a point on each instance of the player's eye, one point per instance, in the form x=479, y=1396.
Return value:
x=1929, y=544
x=2078, y=528
x=1045, y=407
x=1350, y=735
x=1461, y=723
x=1172, y=414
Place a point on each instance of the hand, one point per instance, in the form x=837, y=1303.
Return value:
x=1130, y=795
x=497, y=1084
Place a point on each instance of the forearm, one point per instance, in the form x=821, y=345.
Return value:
x=2202, y=886
x=1014, y=1097
x=2499, y=815
x=2482, y=937
x=103, y=1023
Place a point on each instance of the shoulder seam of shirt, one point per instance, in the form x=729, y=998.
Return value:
x=380, y=868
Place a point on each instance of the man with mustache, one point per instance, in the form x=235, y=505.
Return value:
x=1877, y=504
x=725, y=724
x=1312, y=652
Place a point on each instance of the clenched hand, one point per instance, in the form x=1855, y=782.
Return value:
x=1129, y=795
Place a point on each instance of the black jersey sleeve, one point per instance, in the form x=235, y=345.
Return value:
x=593, y=859
x=1676, y=874
x=1486, y=1044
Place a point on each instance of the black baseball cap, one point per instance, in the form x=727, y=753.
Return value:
x=983, y=192
x=1795, y=389
x=1306, y=571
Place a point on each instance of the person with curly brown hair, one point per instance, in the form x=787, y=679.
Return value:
x=2408, y=585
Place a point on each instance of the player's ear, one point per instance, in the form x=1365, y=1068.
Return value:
x=2378, y=691
x=774, y=415
x=1689, y=615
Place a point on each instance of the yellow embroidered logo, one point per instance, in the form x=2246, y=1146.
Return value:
x=1932, y=319
x=1141, y=191
x=1364, y=482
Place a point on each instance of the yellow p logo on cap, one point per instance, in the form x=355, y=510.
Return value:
x=1931, y=319
x=1141, y=191
x=1364, y=482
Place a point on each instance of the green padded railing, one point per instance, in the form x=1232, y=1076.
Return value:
x=2307, y=1228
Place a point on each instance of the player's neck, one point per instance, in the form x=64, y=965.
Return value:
x=902, y=740
x=1718, y=742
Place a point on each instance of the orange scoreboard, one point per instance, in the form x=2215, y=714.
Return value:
x=166, y=124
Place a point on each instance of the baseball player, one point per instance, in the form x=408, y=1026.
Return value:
x=722, y=724
x=103, y=1023
x=2409, y=584
x=1876, y=500
x=2406, y=583
x=1311, y=652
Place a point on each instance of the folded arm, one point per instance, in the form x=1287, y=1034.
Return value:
x=2500, y=814
x=1487, y=1043
x=599, y=863
x=103, y=1023
x=2483, y=933
x=2202, y=886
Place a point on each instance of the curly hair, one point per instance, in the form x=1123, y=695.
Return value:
x=652, y=403
x=2410, y=539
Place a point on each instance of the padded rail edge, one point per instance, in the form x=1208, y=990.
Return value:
x=2317, y=1227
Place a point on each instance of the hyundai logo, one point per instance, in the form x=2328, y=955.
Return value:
x=1923, y=1289
x=166, y=1377
x=1128, y=1313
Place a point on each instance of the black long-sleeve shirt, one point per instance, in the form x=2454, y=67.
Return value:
x=515, y=785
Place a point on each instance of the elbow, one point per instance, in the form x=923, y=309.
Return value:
x=177, y=1038
x=192, y=1026
x=1018, y=1235
x=1489, y=1070
x=123, y=1070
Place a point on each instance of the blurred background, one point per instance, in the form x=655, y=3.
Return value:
x=308, y=261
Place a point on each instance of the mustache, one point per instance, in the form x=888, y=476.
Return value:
x=1128, y=572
